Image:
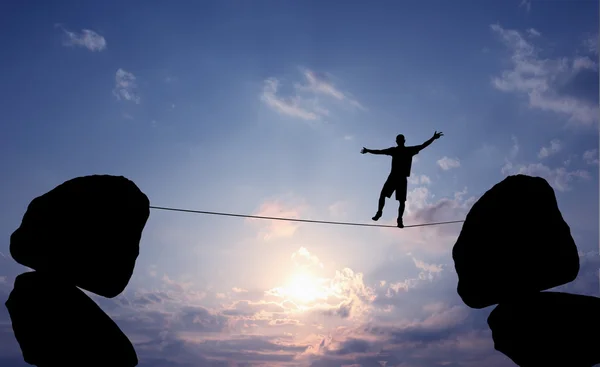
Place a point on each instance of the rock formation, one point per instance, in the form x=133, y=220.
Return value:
x=515, y=244
x=84, y=233
x=57, y=324
x=548, y=329
x=514, y=241
x=87, y=230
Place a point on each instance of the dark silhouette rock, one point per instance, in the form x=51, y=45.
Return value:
x=548, y=329
x=86, y=231
x=514, y=241
x=58, y=325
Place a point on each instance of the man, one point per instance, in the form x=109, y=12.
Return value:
x=397, y=180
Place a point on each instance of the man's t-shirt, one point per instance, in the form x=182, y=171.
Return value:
x=401, y=160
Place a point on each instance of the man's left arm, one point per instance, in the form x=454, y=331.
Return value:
x=435, y=136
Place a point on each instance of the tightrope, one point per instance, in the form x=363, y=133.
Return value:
x=300, y=220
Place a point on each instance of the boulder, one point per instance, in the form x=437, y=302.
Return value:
x=86, y=231
x=58, y=325
x=548, y=329
x=514, y=241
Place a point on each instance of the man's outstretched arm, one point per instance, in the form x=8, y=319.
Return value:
x=374, y=151
x=435, y=136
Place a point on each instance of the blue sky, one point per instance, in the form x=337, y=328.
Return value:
x=262, y=108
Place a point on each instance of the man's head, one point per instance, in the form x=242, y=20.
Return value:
x=400, y=140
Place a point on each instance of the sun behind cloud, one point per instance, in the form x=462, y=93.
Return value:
x=305, y=288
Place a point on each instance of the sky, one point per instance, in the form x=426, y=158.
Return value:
x=262, y=108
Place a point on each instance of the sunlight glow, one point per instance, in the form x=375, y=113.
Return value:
x=304, y=288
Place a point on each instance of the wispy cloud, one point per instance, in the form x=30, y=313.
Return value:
x=319, y=83
x=126, y=86
x=525, y=4
x=274, y=229
x=541, y=79
x=86, y=38
x=339, y=209
x=584, y=63
x=419, y=180
x=554, y=147
x=559, y=178
x=591, y=156
x=591, y=43
x=533, y=32
x=514, y=149
x=446, y=163
x=304, y=103
x=304, y=259
x=291, y=106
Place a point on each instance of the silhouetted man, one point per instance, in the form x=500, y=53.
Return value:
x=397, y=180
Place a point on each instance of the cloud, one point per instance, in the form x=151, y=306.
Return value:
x=584, y=63
x=559, y=178
x=126, y=86
x=446, y=163
x=445, y=337
x=545, y=81
x=555, y=147
x=290, y=106
x=342, y=296
x=303, y=259
x=419, y=179
x=304, y=103
x=422, y=207
x=339, y=209
x=274, y=229
x=591, y=44
x=319, y=83
x=526, y=4
x=514, y=150
x=427, y=273
x=86, y=38
x=591, y=156
x=533, y=32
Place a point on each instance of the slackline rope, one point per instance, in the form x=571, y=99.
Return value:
x=300, y=220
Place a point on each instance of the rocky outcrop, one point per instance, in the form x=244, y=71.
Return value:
x=548, y=329
x=58, y=325
x=515, y=244
x=514, y=241
x=86, y=231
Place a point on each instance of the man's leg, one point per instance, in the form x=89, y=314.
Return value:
x=386, y=191
x=401, y=213
x=401, y=197
x=380, y=206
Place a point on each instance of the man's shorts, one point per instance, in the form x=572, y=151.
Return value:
x=398, y=184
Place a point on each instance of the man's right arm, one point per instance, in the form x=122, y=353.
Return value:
x=376, y=151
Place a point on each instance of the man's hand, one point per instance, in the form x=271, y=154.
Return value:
x=364, y=150
x=437, y=135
